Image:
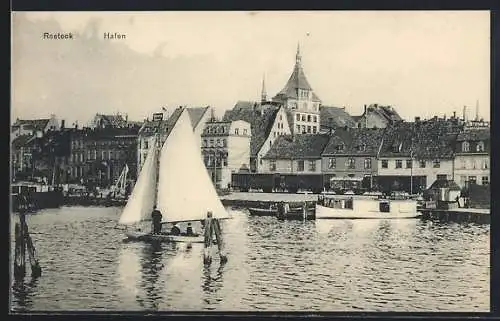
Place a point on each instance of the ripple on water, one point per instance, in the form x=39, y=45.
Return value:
x=286, y=266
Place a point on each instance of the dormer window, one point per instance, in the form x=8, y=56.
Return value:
x=465, y=146
x=361, y=147
x=340, y=147
x=480, y=147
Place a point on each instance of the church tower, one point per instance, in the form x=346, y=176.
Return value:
x=298, y=97
x=263, y=95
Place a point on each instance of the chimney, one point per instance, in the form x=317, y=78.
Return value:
x=465, y=108
x=365, y=109
x=62, y=124
x=454, y=114
x=477, y=110
x=417, y=119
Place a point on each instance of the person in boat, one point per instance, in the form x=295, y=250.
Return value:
x=175, y=230
x=156, y=217
x=190, y=230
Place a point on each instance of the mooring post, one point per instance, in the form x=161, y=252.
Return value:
x=36, y=270
x=220, y=242
x=207, y=259
x=19, y=259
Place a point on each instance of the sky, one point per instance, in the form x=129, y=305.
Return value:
x=423, y=63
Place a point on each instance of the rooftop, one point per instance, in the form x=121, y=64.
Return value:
x=298, y=147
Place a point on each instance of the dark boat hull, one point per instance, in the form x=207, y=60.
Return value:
x=262, y=212
x=152, y=238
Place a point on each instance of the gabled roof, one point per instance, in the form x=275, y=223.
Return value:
x=21, y=141
x=335, y=117
x=386, y=112
x=355, y=141
x=474, y=135
x=442, y=183
x=298, y=147
x=260, y=119
x=35, y=124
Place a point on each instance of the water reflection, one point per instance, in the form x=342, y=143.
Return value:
x=151, y=268
x=212, y=284
x=22, y=293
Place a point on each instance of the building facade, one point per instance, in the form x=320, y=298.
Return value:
x=299, y=98
x=472, y=157
x=225, y=149
x=352, y=154
x=97, y=156
x=298, y=154
x=34, y=127
x=376, y=116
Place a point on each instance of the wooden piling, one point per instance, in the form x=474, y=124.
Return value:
x=220, y=241
x=23, y=243
x=19, y=259
x=207, y=257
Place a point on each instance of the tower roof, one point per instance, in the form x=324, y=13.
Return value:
x=296, y=81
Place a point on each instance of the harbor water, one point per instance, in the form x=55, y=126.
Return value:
x=324, y=265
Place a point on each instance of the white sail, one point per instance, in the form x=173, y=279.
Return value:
x=141, y=201
x=185, y=190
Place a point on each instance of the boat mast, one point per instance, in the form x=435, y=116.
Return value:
x=158, y=148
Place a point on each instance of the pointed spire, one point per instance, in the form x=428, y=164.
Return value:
x=477, y=110
x=298, y=57
x=263, y=95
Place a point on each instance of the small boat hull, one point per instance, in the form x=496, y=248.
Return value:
x=262, y=212
x=148, y=237
x=323, y=212
x=298, y=214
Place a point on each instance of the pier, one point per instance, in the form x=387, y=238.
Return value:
x=472, y=215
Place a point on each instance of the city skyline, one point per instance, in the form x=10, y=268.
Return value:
x=422, y=63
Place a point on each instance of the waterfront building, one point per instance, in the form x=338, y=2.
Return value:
x=97, y=156
x=412, y=156
x=472, y=157
x=352, y=154
x=268, y=122
x=34, y=127
x=225, y=149
x=198, y=115
x=21, y=156
x=377, y=116
x=301, y=101
x=297, y=154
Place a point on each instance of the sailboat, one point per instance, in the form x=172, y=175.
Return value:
x=119, y=189
x=175, y=180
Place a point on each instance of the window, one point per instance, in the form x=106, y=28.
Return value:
x=332, y=163
x=409, y=163
x=312, y=166
x=436, y=163
x=224, y=143
x=309, y=129
x=399, y=163
x=340, y=147
x=300, y=165
x=211, y=143
x=465, y=146
x=236, y=131
x=303, y=129
x=485, y=164
x=223, y=129
x=368, y=163
x=351, y=163
x=298, y=128
x=441, y=177
x=274, y=133
x=421, y=163
x=245, y=131
x=146, y=144
x=94, y=156
x=272, y=165
x=298, y=117
x=309, y=118
x=281, y=117
x=315, y=119
x=103, y=155
x=463, y=163
x=217, y=142
x=480, y=147
x=485, y=180
x=385, y=163
x=303, y=117
x=472, y=179
x=314, y=129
